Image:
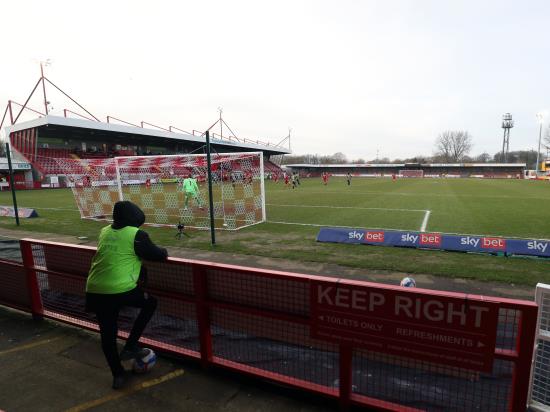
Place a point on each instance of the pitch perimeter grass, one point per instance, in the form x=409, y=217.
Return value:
x=512, y=208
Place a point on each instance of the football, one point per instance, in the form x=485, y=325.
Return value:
x=145, y=364
x=408, y=282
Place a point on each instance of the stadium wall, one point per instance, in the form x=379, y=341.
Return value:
x=315, y=333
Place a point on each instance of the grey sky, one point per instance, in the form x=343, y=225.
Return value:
x=349, y=76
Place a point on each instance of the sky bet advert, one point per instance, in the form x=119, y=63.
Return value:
x=462, y=243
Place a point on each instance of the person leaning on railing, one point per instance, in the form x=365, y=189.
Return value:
x=113, y=284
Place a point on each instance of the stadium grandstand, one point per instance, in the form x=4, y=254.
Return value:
x=40, y=141
x=36, y=143
x=449, y=170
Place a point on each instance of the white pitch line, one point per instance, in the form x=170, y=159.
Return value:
x=425, y=221
x=414, y=194
x=342, y=226
x=54, y=208
x=350, y=207
x=308, y=224
x=51, y=208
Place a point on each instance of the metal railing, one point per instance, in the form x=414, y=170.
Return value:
x=266, y=323
x=539, y=394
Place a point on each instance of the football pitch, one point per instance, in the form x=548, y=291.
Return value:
x=511, y=208
x=486, y=207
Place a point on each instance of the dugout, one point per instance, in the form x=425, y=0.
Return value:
x=39, y=141
x=22, y=174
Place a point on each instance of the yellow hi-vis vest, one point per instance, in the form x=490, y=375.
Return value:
x=115, y=266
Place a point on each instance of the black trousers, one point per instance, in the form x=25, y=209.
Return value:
x=107, y=308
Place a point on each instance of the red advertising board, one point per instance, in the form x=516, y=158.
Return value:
x=449, y=329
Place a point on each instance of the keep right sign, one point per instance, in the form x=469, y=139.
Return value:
x=442, y=328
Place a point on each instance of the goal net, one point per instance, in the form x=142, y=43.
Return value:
x=411, y=173
x=155, y=184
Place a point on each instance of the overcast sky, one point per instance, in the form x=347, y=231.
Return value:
x=346, y=76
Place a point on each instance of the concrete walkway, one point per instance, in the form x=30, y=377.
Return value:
x=47, y=366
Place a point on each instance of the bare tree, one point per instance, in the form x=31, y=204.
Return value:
x=453, y=145
x=483, y=158
x=340, y=157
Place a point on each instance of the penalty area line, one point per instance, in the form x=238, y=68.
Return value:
x=425, y=221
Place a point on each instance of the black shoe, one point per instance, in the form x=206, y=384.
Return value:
x=119, y=381
x=133, y=353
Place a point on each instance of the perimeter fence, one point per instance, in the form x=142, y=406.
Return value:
x=386, y=347
x=540, y=375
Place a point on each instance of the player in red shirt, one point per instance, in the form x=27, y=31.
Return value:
x=325, y=178
x=276, y=177
x=286, y=179
x=148, y=183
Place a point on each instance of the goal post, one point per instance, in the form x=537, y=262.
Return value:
x=155, y=184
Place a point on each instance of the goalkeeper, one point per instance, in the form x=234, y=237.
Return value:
x=191, y=189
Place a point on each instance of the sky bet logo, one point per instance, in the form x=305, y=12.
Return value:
x=470, y=241
x=537, y=245
x=372, y=236
x=356, y=235
x=430, y=239
x=493, y=243
x=484, y=242
x=424, y=239
x=409, y=238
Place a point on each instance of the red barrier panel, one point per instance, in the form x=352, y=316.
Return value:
x=386, y=347
x=14, y=291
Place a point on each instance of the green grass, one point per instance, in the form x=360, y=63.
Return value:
x=514, y=208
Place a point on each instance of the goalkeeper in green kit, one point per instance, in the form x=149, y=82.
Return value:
x=190, y=189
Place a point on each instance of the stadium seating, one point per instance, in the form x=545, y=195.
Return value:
x=45, y=162
x=270, y=167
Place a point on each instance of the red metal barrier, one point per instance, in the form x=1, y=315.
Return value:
x=14, y=291
x=325, y=335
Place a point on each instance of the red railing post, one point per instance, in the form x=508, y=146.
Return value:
x=525, y=346
x=37, y=309
x=11, y=112
x=346, y=357
x=203, y=317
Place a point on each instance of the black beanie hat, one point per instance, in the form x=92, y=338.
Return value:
x=126, y=213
